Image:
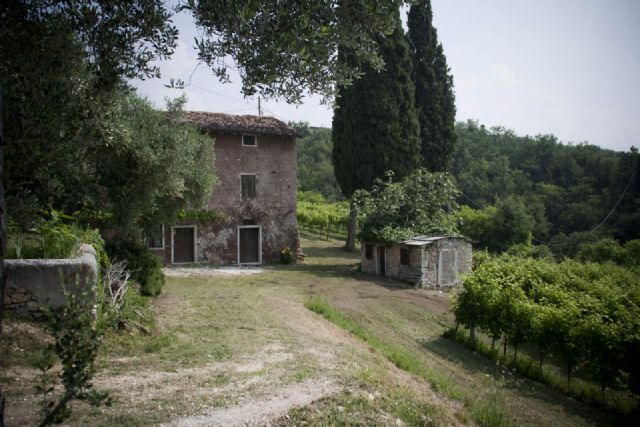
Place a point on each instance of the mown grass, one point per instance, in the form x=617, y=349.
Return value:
x=485, y=412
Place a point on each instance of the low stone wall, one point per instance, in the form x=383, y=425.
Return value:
x=32, y=283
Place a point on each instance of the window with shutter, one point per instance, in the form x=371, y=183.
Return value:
x=248, y=184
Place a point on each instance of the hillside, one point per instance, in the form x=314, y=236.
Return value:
x=514, y=186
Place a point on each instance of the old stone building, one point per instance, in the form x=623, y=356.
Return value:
x=426, y=261
x=253, y=206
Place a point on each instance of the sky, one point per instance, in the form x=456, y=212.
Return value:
x=565, y=67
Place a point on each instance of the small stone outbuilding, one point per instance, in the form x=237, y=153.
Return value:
x=426, y=261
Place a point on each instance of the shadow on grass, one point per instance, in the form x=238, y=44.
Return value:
x=475, y=363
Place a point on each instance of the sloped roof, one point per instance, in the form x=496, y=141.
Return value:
x=232, y=125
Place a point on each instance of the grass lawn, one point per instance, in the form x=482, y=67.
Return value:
x=245, y=349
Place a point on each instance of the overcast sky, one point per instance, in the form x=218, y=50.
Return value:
x=566, y=67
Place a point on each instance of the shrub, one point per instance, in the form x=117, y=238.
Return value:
x=144, y=265
x=286, y=256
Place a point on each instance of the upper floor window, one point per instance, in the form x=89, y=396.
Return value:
x=248, y=186
x=249, y=140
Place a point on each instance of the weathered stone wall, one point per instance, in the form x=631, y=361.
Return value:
x=274, y=161
x=367, y=265
x=34, y=282
x=431, y=256
x=422, y=270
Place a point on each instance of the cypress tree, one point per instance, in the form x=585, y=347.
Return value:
x=375, y=126
x=434, y=97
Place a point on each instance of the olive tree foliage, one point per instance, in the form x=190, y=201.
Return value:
x=77, y=140
x=423, y=203
x=289, y=48
x=119, y=39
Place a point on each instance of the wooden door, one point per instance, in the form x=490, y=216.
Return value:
x=183, y=242
x=381, y=260
x=249, y=245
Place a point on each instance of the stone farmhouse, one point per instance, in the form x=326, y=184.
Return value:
x=253, y=203
x=426, y=261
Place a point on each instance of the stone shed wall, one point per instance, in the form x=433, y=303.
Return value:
x=431, y=257
x=422, y=270
x=34, y=282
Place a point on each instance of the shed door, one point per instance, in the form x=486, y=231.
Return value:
x=249, y=245
x=183, y=244
x=447, y=267
x=381, y=261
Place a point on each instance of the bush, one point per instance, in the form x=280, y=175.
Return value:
x=144, y=265
x=287, y=256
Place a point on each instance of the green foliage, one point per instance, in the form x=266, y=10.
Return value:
x=76, y=344
x=435, y=100
x=288, y=48
x=315, y=213
x=287, y=256
x=421, y=204
x=375, y=127
x=80, y=142
x=566, y=189
x=144, y=265
x=57, y=236
x=585, y=314
x=608, y=250
x=315, y=170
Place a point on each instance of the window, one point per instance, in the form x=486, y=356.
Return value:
x=248, y=184
x=154, y=236
x=405, y=256
x=368, y=251
x=249, y=140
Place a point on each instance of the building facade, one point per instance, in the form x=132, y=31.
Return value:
x=429, y=262
x=251, y=216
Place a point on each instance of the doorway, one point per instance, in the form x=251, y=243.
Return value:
x=183, y=245
x=381, y=261
x=249, y=244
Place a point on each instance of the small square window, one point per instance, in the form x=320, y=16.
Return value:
x=405, y=256
x=154, y=236
x=248, y=184
x=368, y=251
x=249, y=140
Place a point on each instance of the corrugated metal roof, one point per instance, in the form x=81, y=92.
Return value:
x=427, y=240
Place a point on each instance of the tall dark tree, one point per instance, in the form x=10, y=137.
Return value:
x=435, y=100
x=375, y=127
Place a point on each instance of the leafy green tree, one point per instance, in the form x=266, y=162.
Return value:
x=375, y=128
x=315, y=169
x=285, y=49
x=435, y=99
x=422, y=203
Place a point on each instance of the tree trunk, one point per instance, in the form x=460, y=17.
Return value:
x=493, y=343
x=541, y=357
x=504, y=347
x=353, y=226
x=568, y=376
x=472, y=335
x=515, y=353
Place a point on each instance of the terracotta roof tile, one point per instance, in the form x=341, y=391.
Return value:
x=232, y=124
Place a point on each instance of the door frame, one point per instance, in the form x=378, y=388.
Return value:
x=259, y=227
x=195, y=234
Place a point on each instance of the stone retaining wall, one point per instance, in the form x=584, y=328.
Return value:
x=34, y=282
